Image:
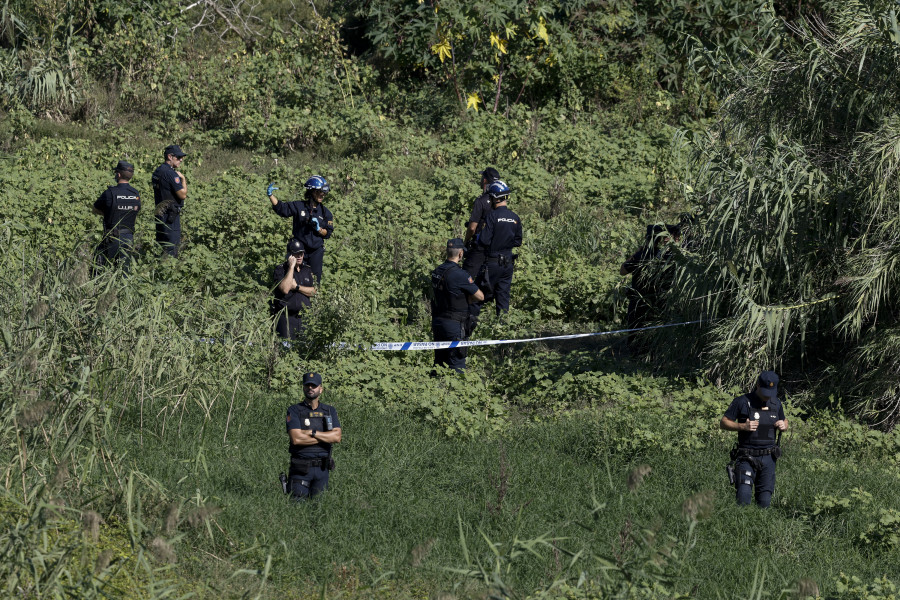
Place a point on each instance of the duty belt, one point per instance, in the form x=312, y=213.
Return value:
x=454, y=316
x=741, y=452
x=321, y=462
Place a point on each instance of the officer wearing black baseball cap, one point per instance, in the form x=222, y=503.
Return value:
x=119, y=206
x=453, y=291
x=756, y=416
x=480, y=210
x=169, y=193
x=313, y=428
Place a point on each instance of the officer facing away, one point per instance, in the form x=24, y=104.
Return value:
x=293, y=290
x=119, y=205
x=313, y=428
x=169, y=193
x=313, y=223
x=756, y=416
x=453, y=290
x=502, y=232
x=480, y=210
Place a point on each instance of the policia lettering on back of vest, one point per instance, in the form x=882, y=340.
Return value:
x=758, y=417
x=313, y=428
x=119, y=205
x=453, y=290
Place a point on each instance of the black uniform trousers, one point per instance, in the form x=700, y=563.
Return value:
x=117, y=247
x=308, y=482
x=474, y=259
x=168, y=233
x=289, y=325
x=449, y=330
x=755, y=477
x=315, y=259
x=495, y=281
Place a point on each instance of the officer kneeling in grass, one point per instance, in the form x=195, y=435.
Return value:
x=756, y=416
x=313, y=428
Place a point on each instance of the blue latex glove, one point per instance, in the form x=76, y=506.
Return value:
x=270, y=189
x=316, y=221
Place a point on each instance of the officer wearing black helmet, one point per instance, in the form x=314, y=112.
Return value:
x=119, y=205
x=480, y=210
x=294, y=286
x=756, y=416
x=313, y=223
x=502, y=232
x=453, y=290
x=313, y=429
x=169, y=192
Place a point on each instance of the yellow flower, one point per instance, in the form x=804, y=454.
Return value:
x=472, y=101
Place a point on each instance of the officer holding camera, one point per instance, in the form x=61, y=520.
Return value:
x=756, y=416
x=313, y=428
x=313, y=222
x=453, y=290
x=119, y=205
x=480, y=210
x=169, y=192
x=502, y=232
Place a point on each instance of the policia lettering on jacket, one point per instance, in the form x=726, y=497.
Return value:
x=119, y=205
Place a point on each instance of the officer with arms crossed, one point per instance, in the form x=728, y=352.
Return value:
x=293, y=290
x=313, y=428
x=169, y=192
x=119, y=205
x=453, y=290
x=756, y=416
x=502, y=232
x=480, y=210
x=313, y=223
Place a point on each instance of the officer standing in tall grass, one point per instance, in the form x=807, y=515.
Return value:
x=313, y=429
x=480, y=210
x=502, y=232
x=119, y=205
x=758, y=417
x=169, y=192
x=313, y=222
x=453, y=290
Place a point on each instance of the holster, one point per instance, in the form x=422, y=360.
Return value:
x=469, y=324
x=729, y=470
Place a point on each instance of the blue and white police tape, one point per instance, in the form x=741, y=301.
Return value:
x=410, y=346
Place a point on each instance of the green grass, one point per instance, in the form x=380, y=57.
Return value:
x=391, y=515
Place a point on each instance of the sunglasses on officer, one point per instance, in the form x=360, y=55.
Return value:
x=298, y=254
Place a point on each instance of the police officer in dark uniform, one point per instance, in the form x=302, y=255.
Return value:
x=480, y=210
x=756, y=416
x=119, y=205
x=453, y=290
x=169, y=192
x=502, y=232
x=294, y=286
x=647, y=284
x=313, y=428
x=313, y=223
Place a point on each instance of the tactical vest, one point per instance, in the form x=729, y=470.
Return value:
x=318, y=419
x=764, y=436
x=445, y=305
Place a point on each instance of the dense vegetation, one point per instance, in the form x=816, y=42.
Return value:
x=141, y=458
